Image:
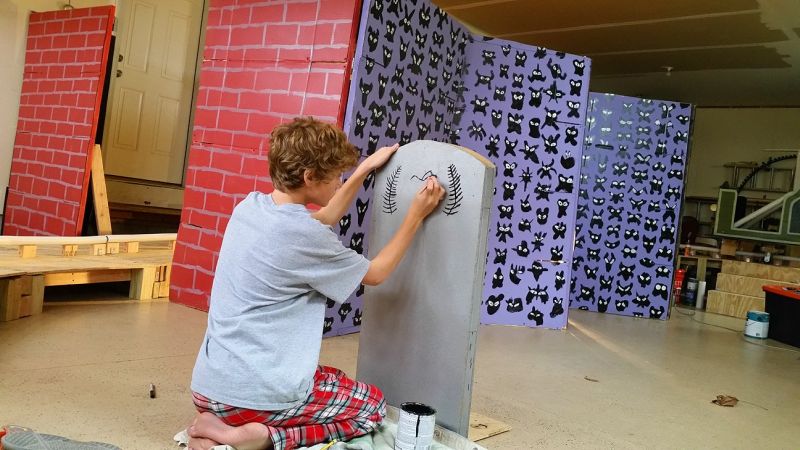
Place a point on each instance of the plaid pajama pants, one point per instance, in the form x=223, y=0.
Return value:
x=338, y=408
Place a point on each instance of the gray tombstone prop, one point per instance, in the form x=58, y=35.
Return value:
x=419, y=328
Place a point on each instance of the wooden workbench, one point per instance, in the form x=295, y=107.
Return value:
x=28, y=265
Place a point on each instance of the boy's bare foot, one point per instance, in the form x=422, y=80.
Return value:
x=197, y=443
x=250, y=436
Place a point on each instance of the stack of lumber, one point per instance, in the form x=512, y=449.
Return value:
x=739, y=286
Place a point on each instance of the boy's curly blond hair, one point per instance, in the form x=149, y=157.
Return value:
x=304, y=144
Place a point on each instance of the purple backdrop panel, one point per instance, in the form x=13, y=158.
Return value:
x=406, y=87
x=421, y=75
x=417, y=40
x=630, y=195
x=525, y=112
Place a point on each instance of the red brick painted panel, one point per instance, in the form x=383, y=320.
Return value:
x=37, y=215
x=61, y=93
x=247, y=87
x=293, y=30
x=241, y=101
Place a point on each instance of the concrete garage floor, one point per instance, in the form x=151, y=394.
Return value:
x=83, y=371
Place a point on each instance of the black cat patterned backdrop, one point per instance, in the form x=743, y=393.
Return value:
x=525, y=111
x=419, y=74
x=407, y=85
x=629, y=208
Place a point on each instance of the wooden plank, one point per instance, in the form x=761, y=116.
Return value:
x=11, y=264
x=165, y=280
x=86, y=277
x=98, y=249
x=129, y=247
x=112, y=248
x=21, y=297
x=161, y=284
x=151, y=265
x=37, y=294
x=734, y=305
x=738, y=284
x=9, y=299
x=162, y=273
x=27, y=251
x=142, y=281
x=99, y=193
x=482, y=427
x=763, y=271
x=168, y=240
x=13, y=241
x=25, y=286
x=155, y=237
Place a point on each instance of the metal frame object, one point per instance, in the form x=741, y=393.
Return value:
x=788, y=231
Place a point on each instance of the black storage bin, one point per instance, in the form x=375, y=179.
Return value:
x=783, y=305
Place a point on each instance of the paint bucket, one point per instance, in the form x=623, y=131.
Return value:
x=701, y=295
x=415, y=427
x=757, y=325
x=690, y=295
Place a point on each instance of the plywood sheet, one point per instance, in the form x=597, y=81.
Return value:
x=738, y=284
x=419, y=327
x=482, y=427
x=764, y=271
x=735, y=305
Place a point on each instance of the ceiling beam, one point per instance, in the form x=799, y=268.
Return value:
x=632, y=22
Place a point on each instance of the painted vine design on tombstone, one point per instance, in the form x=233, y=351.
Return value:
x=630, y=198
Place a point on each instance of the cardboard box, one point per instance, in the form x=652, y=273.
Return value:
x=729, y=247
x=747, y=246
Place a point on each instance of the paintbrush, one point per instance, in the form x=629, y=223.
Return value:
x=329, y=445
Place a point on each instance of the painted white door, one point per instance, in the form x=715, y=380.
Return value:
x=150, y=98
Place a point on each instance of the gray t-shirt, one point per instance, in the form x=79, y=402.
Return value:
x=276, y=267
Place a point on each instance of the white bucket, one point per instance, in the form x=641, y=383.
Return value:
x=757, y=325
x=415, y=427
x=700, y=302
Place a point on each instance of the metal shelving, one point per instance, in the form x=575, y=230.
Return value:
x=777, y=180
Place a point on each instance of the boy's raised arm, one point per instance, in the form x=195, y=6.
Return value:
x=341, y=201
